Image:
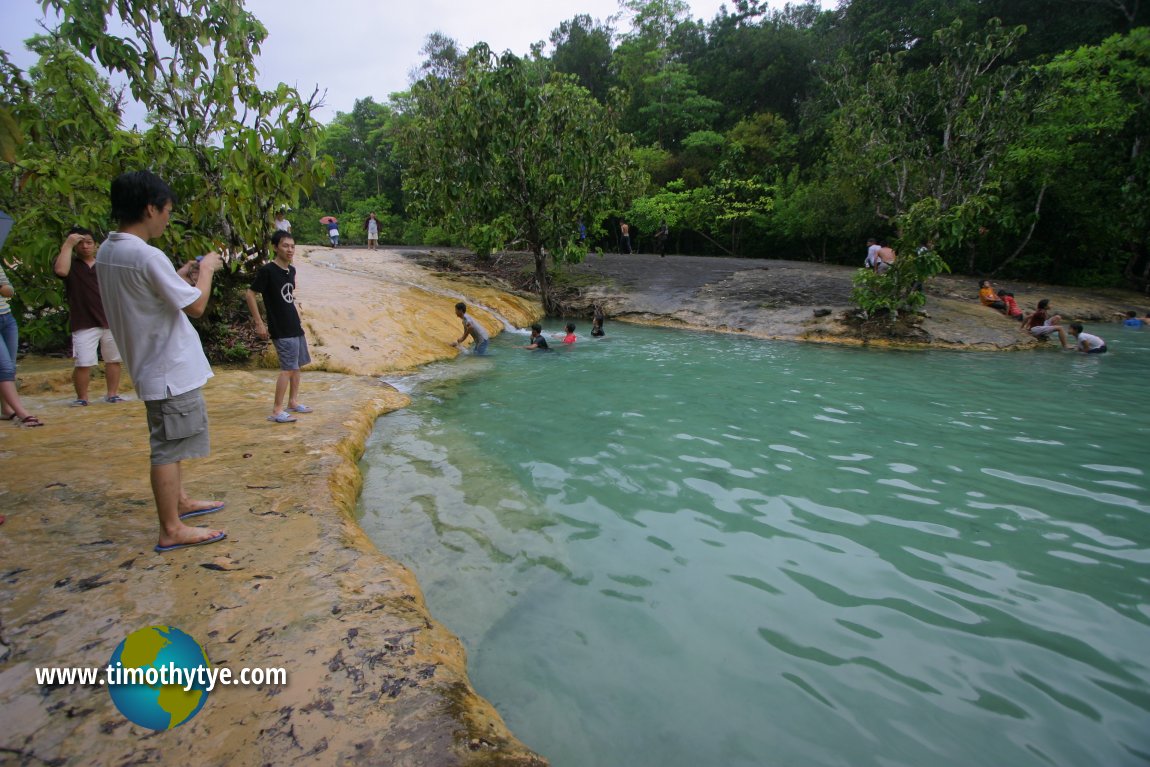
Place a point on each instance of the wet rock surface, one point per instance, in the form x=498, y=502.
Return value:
x=800, y=300
x=783, y=300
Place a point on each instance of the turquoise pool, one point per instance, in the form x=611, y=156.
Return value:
x=677, y=548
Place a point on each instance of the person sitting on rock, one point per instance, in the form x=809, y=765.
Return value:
x=1040, y=323
x=988, y=297
x=1012, y=309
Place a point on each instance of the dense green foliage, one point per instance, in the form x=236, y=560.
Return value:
x=1010, y=134
x=231, y=151
x=529, y=156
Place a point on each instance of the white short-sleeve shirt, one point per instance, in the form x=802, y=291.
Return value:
x=144, y=300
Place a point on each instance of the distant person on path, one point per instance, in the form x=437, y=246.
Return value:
x=1088, y=343
x=275, y=282
x=989, y=298
x=538, y=342
x=1040, y=323
x=661, y=237
x=75, y=264
x=471, y=328
x=872, y=260
x=282, y=224
x=371, y=226
x=625, y=237
x=333, y=233
x=11, y=408
x=886, y=257
x=148, y=305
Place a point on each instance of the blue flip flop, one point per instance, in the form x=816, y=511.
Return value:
x=201, y=512
x=213, y=539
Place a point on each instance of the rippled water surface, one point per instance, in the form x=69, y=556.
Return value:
x=673, y=548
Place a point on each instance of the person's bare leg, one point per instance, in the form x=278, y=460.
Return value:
x=12, y=403
x=281, y=389
x=168, y=490
x=112, y=371
x=1062, y=336
x=293, y=388
x=81, y=380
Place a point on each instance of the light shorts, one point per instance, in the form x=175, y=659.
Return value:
x=85, y=343
x=375, y=238
x=292, y=352
x=178, y=428
x=1042, y=331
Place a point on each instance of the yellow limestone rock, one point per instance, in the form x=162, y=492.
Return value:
x=372, y=677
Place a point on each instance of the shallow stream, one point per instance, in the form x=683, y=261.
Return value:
x=676, y=548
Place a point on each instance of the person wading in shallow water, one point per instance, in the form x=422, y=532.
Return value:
x=471, y=328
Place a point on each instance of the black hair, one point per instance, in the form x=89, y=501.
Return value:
x=461, y=307
x=133, y=192
x=1001, y=293
x=1044, y=303
x=1131, y=314
x=570, y=327
x=537, y=328
x=280, y=234
x=1076, y=327
x=81, y=230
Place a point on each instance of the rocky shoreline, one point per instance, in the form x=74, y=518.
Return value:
x=792, y=300
x=373, y=678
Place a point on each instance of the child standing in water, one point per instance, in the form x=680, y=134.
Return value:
x=570, y=337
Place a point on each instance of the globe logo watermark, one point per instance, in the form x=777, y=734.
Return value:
x=159, y=677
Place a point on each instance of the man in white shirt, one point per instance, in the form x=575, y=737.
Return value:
x=147, y=305
x=872, y=259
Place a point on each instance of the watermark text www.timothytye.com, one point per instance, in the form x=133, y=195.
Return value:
x=201, y=677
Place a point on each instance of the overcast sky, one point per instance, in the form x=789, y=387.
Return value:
x=359, y=48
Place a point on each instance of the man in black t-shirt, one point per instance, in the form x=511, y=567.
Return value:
x=538, y=342
x=275, y=281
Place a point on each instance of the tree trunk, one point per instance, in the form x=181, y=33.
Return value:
x=1029, y=234
x=544, y=282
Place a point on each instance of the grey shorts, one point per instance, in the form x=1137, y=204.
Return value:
x=292, y=352
x=178, y=428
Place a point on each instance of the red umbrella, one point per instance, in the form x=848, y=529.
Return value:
x=328, y=220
